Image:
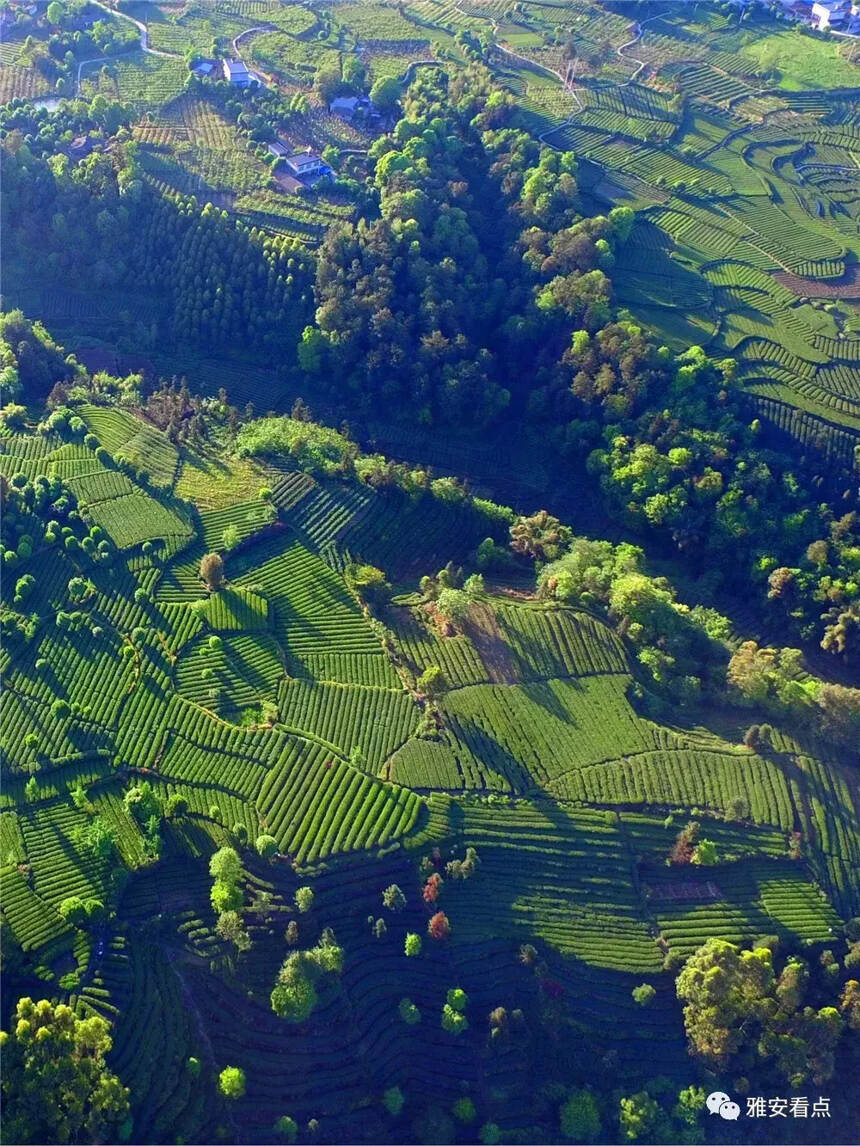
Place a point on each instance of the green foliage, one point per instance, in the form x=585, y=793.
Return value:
x=408, y=1012
x=453, y=1021
x=705, y=853
x=97, y=838
x=432, y=681
x=644, y=994
x=730, y=1010
x=457, y=999
x=579, y=1117
x=313, y=448
x=368, y=582
x=231, y=1082
x=412, y=944
x=304, y=899
x=393, y=1100
x=72, y=910
x=286, y=1128
x=294, y=996
x=464, y=1111
x=266, y=846
x=639, y=1117
x=56, y=1085
x=226, y=865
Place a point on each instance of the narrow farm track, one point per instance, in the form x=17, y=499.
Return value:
x=638, y=28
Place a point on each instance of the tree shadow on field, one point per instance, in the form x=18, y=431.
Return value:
x=246, y=671
x=494, y=757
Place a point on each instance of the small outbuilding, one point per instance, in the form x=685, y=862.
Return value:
x=278, y=149
x=344, y=106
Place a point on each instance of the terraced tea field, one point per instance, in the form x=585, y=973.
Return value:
x=459, y=851
x=276, y=704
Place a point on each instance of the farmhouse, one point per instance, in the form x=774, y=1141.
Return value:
x=278, y=149
x=304, y=164
x=236, y=73
x=830, y=14
x=204, y=68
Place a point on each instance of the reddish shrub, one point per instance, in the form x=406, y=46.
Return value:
x=432, y=888
x=439, y=927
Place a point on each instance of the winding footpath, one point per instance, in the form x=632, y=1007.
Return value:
x=638, y=29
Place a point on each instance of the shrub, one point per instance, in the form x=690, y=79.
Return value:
x=225, y=897
x=408, y=1012
x=225, y=865
x=457, y=999
x=176, y=806
x=439, y=927
x=304, y=899
x=287, y=1128
x=393, y=898
x=432, y=682
x=267, y=846
x=579, y=1117
x=705, y=853
x=412, y=945
x=72, y=910
x=644, y=994
x=452, y=1021
x=393, y=1100
x=294, y=1000
x=231, y=1082
x=464, y=1110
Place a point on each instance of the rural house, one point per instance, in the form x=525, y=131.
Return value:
x=830, y=13
x=305, y=163
x=236, y=73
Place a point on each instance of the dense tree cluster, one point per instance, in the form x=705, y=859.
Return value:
x=31, y=364
x=482, y=293
x=96, y=220
x=56, y=1085
x=744, y=1011
x=294, y=994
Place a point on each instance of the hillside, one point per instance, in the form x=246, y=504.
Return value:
x=280, y=705
x=429, y=572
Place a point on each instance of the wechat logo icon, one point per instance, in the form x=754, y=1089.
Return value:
x=720, y=1103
